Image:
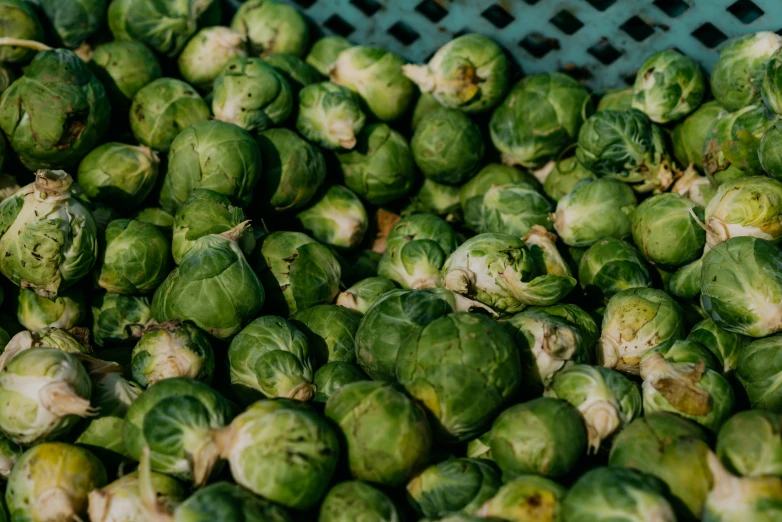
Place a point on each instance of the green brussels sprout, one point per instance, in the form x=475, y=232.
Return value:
x=175, y=419
x=514, y=209
x=725, y=346
x=749, y=444
x=297, y=271
x=337, y=218
x=251, y=94
x=73, y=117
x=425, y=104
x=226, y=501
x=272, y=27
x=545, y=254
x=674, y=450
x=73, y=21
x=360, y=264
x=21, y=22
x=689, y=136
x=539, y=119
x=293, y=169
x=499, y=271
x=172, y=349
x=330, y=115
x=734, y=499
x=353, y=500
x=625, y=145
x=52, y=481
x=9, y=455
x=771, y=85
x=297, y=73
x=618, y=494
x=479, y=448
x=330, y=330
x=324, y=52
x=46, y=391
x=636, y=321
x=606, y=399
x=746, y=207
x=454, y=485
x=738, y=74
x=563, y=177
x=741, y=286
x=363, y=294
x=668, y=86
x=376, y=75
x=770, y=152
x=447, y=146
x=214, y=155
x=205, y=54
x=469, y=73
x=103, y=437
x=158, y=217
x=544, y=436
x=135, y=259
x=64, y=311
x=73, y=342
x=121, y=500
x=271, y=358
x=595, y=210
x=214, y=267
x=462, y=397
x=119, y=319
x=687, y=351
x=616, y=100
x=206, y=212
x=162, y=109
x=285, y=453
x=416, y=249
x=758, y=370
x=118, y=174
x=387, y=435
x=334, y=375
x=610, y=266
x=124, y=67
x=380, y=167
x=435, y=198
x=472, y=193
x=112, y=394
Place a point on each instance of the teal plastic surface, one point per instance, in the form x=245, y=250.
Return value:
x=602, y=42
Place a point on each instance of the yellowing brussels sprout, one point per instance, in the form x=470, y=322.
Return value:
x=750, y=443
x=540, y=117
x=734, y=499
x=330, y=115
x=758, y=370
x=668, y=86
x=20, y=21
x=746, y=207
x=172, y=349
x=272, y=27
x=324, y=52
x=616, y=100
x=354, y=500
x=119, y=319
x=387, y=435
x=447, y=146
x=668, y=230
x=162, y=109
x=726, y=346
x=737, y=76
x=330, y=330
x=298, y=73
x=64, y=311
x=473, y=191
x=337, y=218
x=135, y=258
x=121, y=500
x=124, y=67
x=689, y=136
x=610, y=266
x=52, y=481
x=526, y=497
x=334, y=375
x=469, y=73
x=204, y=56
x=514, y=209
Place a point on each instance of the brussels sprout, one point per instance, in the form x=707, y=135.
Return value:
x=51, y=481
x=425, y=104
x=297, y=73
x=204, y=56
x=330, y=115
x=112, y=394
x=416, y=248
x=103, y=437
x=758, y=370
x=734, y=499
x=750, y=443
x=63, y=340
x=387, y=435
x=595, y=210
x=499, y=271
x=121, y=501
x=334, y=375
x=469, y=73
x=330, y=330
x=272, y=27
x=461, y=397
x=158, y=217
x=527, y=497
x=606, y=399
x=297, y=271
x=172, y=349
x=214, y=155
x=618, y=494
x=214, y=267
x=73, y=21
x=124, y=67
x=544, y=436
x=447, y=146
x=610, y=266
x=135, y=258
x=380, y=167
x=770, y=151
x=636, y=321
x=563, y=177
x=9, y=455
x=699, y=189
x=726, y=346
x=668, y=86
x=454, y=485
x=324, y=52
x=119, y=319
x=473, y=192
x=539, y=119
x=616, y=100
x=435, y=198
x=672, y=449
x=478, y=448
x=359, y=264
x=175, y=419
x=689, y=136
x=118, y=174
x=741, y=286
x=746, y=207
x=226, y=501
x=375, y=74
x=514, y=209
x=337, y=218
x=20, y=21
x=543, y=248
x=687, y=351
x=59, y=128
x=251, y=94
x=771, y=85
x=162, y=109
x=353, y=500
x=737, y=76
x=64, y=311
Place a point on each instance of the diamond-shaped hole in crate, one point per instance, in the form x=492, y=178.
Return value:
x=338, y=25
x=709, y=35
x=746, y=11
x=582, y=74
x=637, y=28
x=672, y=8
x=605, y=52
x=538, y=45
x=601, y=5
x=432, y=10
x=368, y=7
x=403, y=33
x=629, y=78
x=532, y=2
x=566, y=22
x=497, y=16
x=305, y=4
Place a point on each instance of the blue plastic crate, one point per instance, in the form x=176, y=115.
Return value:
x=602, y=42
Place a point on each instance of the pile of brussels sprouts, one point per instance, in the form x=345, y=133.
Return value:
x=253, y=275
